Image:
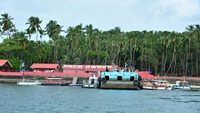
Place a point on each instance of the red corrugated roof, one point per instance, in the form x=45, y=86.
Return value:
x=146, y=75
x=2, y=62
x=44, y=66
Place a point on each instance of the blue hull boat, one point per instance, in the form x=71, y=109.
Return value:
x=182, y=85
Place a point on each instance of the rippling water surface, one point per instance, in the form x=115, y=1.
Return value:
x=43, y=99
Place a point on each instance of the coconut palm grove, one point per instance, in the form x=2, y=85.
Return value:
x=162, y=52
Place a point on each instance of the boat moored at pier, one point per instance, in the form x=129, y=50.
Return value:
x=183, y=85
x=91, y=83
x=156, y=85
x=56, y=82
x=120, y=80
x=35, y=82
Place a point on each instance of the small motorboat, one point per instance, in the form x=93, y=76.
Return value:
x=184, y=85
x=92, y=82
x=156, y=85
x=36, y=82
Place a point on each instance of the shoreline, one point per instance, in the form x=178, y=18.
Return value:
x=195, y=83
x=192, y=80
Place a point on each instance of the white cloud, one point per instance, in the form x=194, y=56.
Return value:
x=182, y=8
x=107, y=14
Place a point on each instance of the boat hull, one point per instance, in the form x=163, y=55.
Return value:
x=155, y=88
x=75, y=84
x=29, y=83
x=89, y=86
x=119, y=85
x=49, y=84
x=181, y=88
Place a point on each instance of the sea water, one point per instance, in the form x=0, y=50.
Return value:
x=55, y=99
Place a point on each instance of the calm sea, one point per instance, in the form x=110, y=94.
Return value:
x=44, y=99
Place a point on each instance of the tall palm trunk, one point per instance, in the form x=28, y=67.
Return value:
x=173, y=55
x=197, y=63
x=162, y=63
x=187, y=58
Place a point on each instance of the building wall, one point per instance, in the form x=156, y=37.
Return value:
x=45, y=70
x=5, y=68
x=87, y=68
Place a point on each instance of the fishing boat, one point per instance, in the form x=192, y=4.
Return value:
x=156, y=85
x=91, y=83
x=184, y=85
x=29, y=82
x=55, y=82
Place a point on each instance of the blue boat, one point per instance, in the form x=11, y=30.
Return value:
x=120, y=80
x=183, y=85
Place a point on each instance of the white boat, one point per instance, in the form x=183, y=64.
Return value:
x=156, y=85
x=36, y=82
x=182, y=85
x=92, y=82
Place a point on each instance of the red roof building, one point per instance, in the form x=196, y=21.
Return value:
x=5, y=66
x=146, y=75
x=38, y=67
x=86, y=70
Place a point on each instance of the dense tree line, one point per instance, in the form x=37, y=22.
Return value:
x=164, y=52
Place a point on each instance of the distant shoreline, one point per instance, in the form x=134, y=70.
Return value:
x=14, y=79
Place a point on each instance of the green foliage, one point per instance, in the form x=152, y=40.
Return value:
x=92, y=54
x=6, y=24
x=166, y=53
x=15, y=62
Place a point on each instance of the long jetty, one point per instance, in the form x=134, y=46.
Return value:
x=13, y=77
x=16, y=75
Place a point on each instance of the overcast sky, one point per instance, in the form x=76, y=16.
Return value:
x=129, y=15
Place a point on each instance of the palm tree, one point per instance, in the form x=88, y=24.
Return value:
x=34, y=26
x=22, y=39
x=77, y=43
x=188, y=38
x=6, y=24
x=174, y=43
x=197, y=31
x=53, y=30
